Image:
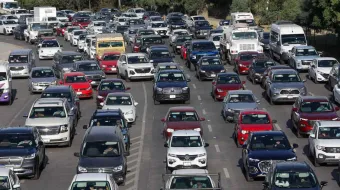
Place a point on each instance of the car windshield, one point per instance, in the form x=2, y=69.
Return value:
x=250, y=22
x=231, y=79
x=52, y=18
x=244, y=35
x=39, y=26
x=327, y=63
x=156, y=19
x=82, y=20
x=118, y=100
x=99, y=23
x=18, y=59
x=61, y=14
x=122, y=19
x=158, y=25
x=15, y=141
x=286, y=78
x=160, y=54
x=75, y=79
x=110, y=44
x=88, y=67
x=139, y=10
x=91, y=185
x=247, y=57
x=64, y=25
x=293, y=39
x=306, y=52
x=4, y=183
x=52, y=43
x=9, y=22
x=329, y=133
x=111, y=57
x=191, y=182
x=137, y=59
x=265, y=36
x=46, y=112
x=183, y=39
x=198, y=18
x=77, y=33
x=217, y=38
x=295, y=180
x=241, y=98
x=263, y=64
x=186, y=141
x=3, y=76
x=310, y=107
x=111, y=85
x=206, y=62
x=176, y=19
x=122, y=28
x=101, y=149
x=202, y=23
x=66, y=95
x=70, y=59
x=202, y=46
x=42, y=73
x=182, y=116
x=171, y=77
x=181, y=33
x=108, y=121
x=255, y=119
x=269, y=142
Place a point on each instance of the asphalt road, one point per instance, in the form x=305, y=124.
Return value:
x=145, y=164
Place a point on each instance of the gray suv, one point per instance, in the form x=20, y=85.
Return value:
x=91, y=70
x=63, y=61
x=21, y=61
x=284, y=85
x=40, y=78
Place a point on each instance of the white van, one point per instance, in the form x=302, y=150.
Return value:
x=5, y=84
x=284, y=35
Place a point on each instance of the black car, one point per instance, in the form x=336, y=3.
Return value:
x=264, y=39
x=257, y=68
x=121, y=29
x=171, y=85
x=208, y=67
x=103, y=151
x=150, y=40
x=261, y=149
x=134, y=21
x=201, y=29
x=158, y=55
x=63, y=92
x=109, y=28
x=18, y=31
x=292, y=175
x=23, y=150
x=91, y=69
x=179, y=41
x=147, y=14
x=176, y=22
x=63, y=61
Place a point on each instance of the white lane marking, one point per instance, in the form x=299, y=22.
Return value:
x=277, y=126
x=131, y=168
x=130, y=174
x=217, y=148
x=129, y=182
x=204, y=112
x=142, y=137
x=21, y=110
x=134, y=154
x=210, y=128
x=310, y=93
x=134, y=148
x=134, y=138
x=131, y=161
x=199, y=97
x=188, y=76
x=226, y=173
x=194, y=85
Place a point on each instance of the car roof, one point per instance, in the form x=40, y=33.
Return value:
x=292, y=166
x=260, y=133
x=240, y=92
x=323, y=123
x=41, y=102
x=284, y=71
x=304, y=47
x=16, y=130
x=171, y=71
x=135, y=54
x=112, y=80
x=201, y=41
x=119, y=94
x=102, y=133
x=74, y=74
x=20, y=51
x=109, y=112
x=167, y=64
x=190, y=171
x=91, y=177
x=180, y=30
x=40, y=68
x=254, y=112
x=182, y=108
x=227, y=73
x=59, y=88
x=186, y=133
x=314, y=98
x=70, y=53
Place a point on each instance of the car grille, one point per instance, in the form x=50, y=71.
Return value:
x=143, y=70
x=332, y=149
x=11, y=161
x=161, y=31
x=99, y=170
x=325, y=75
x=265, y=165
x=44, y=84
x=172, y=90
x=16, y=68
x=290, y=92
x=94, y=77
x=306, y=62
x=53, y=130
x=187, y=157
x=246, y=47
x=204, y=31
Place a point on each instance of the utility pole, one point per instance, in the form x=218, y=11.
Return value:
x=90, y=4
x=119, y=4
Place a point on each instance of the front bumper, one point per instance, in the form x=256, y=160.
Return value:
x=117, y=176
x=26, y=168
x=322, y=77
x=176, y=163
x=58, y=139
x=5, y=97
x=172, y=97
x=108, y=70
x=207, y=75
x=46, y=56
x=130, y=117
x=37, y=88
x=323, y=157
x=243, y=70
x=285, y=97
x=75, y=42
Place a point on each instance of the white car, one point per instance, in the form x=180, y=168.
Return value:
x=61, y=17
x=90, y=180
x=189, y=20
x=68, y=12
x=9, y=180
x=150, y=19
x=120, y=20
x=135, y=66
x=215, y=38
x=68, y=32
x=75, y=36
x=186, y=148
x=172, y=35
x=48, y=48
x=159, y=27
x=7, y=26
x=92, y=49
x=81, y=42
x=9, y=17
x=138, y=11
x=96, y=27
x=87, y=45
x=336, y=93
x=324, y=142
x=320, y=68
x=123, y=101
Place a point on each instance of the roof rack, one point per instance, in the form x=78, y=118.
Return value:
x=282, y=22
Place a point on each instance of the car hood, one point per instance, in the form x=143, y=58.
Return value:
x=229, y=86
x=98, y=72
x=17, y=64
x=259, y=70
x=183, y=124
x=186, y=150
x=122, y=107
x=306, y=57
x=216, y=68
x=326, y=70
x=328, y=142
x=49, y=79
x=66, y=65
x=319, y=116
x=271, y=154
x=114, y=62
x=241, y=106
x=16, y=152
x=46, y=122
x=80, y=85
x=100, y=162
x=106, y=92
x=205, y=52
x=140, y=65
x=288, y=85
x=171, y=84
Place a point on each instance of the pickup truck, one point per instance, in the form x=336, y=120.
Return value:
x=300, y=57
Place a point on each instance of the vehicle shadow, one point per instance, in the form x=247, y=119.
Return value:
x=336, y=175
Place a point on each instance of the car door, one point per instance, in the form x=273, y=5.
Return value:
x=311, y=139
x=295, y=114
x=333, y=77
x=245, y=150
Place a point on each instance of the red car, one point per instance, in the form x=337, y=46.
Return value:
x=136, y=44
x=184, y=49
x=225, y=82
x=108, y=62
x=83, y=22
x=181, y=118
x=107, y=86
x=62, y=27
x=250, y=121
x=308, y=109
x=80, y=84
x=243, y=61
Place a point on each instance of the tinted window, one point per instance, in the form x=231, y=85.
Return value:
x=269, y=142
x=14, y=141
x=104, y=86
x=18, y=59
x=51, y=43
x=326, y=63
x=171, y=77
x=118, y=100
x=3, y=76
x=183, y=116
x=196, y=182
x=111, y=57
x=57, y=95
x=75, y=79
x=241, y=98
x=137, y=59
x=286, y=78
x=101, y=149
x=186, y=141
x=231, y=79
x=43, y=112
x=295, y=180
x=203, y=46
x=42, y=73
x=310, y=107
x=71, y=59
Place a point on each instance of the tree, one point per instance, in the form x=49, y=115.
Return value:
x=239, y=6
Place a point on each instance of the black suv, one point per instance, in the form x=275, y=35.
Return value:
x=18, y=31
x=63, y=61
x=150, y=40
x=261, y=149
x=22, y=149
x=291, y=175
x=171, y=85
x=257, y=68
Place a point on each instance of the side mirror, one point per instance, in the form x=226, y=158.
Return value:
x=25, y=115
x=295, y=145
x=166, y=145
x=337, y=108
x=136, y=103
x=76, y=154
x=323, y=183
x=312, y=136
x=188, y=80
x=202, y=119
x=206, y=144
x=40, y=143
x=85, y=126
x=265, y=184
x=274, y=121
x=294, y=109
x=123, y=62
x=163, y=120
x=153, y=71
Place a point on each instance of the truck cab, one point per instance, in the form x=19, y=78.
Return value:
x=7, y=5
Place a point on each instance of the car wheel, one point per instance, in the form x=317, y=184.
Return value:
x=10, y=99
x=37, y=171
x=69, y=143
x=315, y=80
x=188, y=64
x=315, y=162
x=126, y=77
x=5, y=33
x=248, y=178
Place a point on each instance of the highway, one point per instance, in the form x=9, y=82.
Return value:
x=145, y=164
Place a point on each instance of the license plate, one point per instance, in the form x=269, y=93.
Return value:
x=46, y=140
x=113, y=69
x=172, y=96
x=213, y=75
x=186, y=163
x=79, y=93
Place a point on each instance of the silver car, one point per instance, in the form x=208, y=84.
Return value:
x=284, y=85
x=40, y=78
x=236, y=101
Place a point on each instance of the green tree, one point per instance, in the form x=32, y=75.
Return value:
x=239, y=6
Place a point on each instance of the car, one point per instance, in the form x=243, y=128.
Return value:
x=43, y=38
x=284, y=85
x=9, y=178
x=189, y=20
x=91, y=70
x=184, y=49
x=24, y=152
x=108, y=62
x=123, y=101
x=48, y=48
x=68, y=31
x=200, y=29
x=121, y=29
x=261, y=149
x=148, y=41
x=79, y=82
x=175, y=22
x=320, y=69
x=181, y=118
x=96, y=27
x=300, y=57
x=257, y=68
x=308, y=109
x=40, y=78
x=138, y=11
x=6, y=26
x=54, y=120
x=243, y=61
x=159, y=27
x=109, y=28
x=215, y=31
x=83, y=22
x=136, y=44
x=121, y=20
x=333, y=78
x=264, y=39
x=107, y=86
x=208, y=67
x=61, y=28
x=267, y=72
x=177, y=32
x=75, y=36
x=129, y=35
x=18, y=32
x=179, y=41
x=198, y=49
x=134, y=66
x=6, y=88
x=21, y=62
x=223, y=83
x=247, y=121
x=9, y=17
x=165, y=66
x=186, y=149
x=280, y=176
x=63, y=61
x=215, y=37
x=237, y=101
x=158, y=55
x=61, y=17
x=81, y=42
x=149, y=14
x=89, y=180
x=88, y=43
x=134, y=22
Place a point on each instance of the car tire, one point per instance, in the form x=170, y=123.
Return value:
x=44, y=163
x=315, y=162
x=69, y=143
x=248, y=178
x=37, y=171
x=127, y=77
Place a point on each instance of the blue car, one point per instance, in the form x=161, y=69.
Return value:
x=199, y=49
x=160, y=55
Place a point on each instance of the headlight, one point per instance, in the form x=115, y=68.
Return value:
x=244, y=132
x=320, y=147
x=335, y=119
x=31, y=156
x=172, y=155
x=253, y=160
x=219, y=90
x=202, y=71
x=230, y=110
x=200, y=155
x=159, y=89
x=193, y=57
x=129, y=112
x=185, y=88
x=54, y=83
x=63, y=128
x=170, y=130
x=103, y=76
x=81, y=169
x=89, y=88
x=118, y=168
x=292, y=159
x=100, y=97
x=104, y=66
x=198, y=129
x=6, y=90
x=34, y=84
x=222, y=71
